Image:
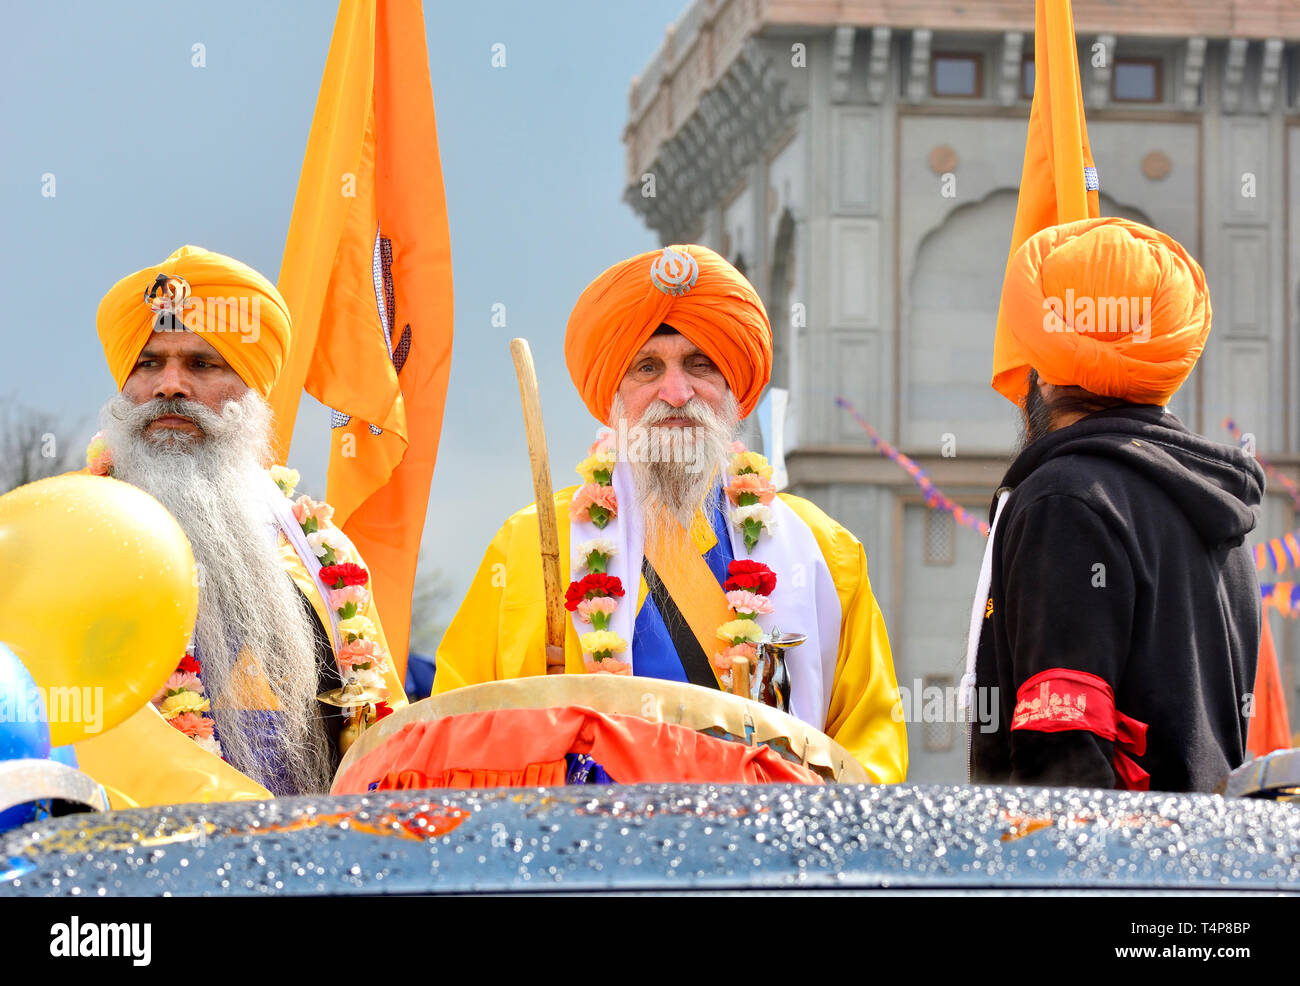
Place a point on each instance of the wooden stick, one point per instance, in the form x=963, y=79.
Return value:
x=550, y=539
x=740, y=676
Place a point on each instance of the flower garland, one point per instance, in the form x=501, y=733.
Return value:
x=750, y=489
x=183, y=703
x=748, y=586
x=594, y=499
x=99, y=458
x=594, y=596
x=749, y=583
x=361, y=659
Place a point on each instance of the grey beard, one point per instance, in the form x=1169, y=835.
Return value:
x=217, y=490
x=681, y=475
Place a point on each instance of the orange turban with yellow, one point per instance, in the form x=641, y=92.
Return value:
x=229, y=305
x=688, y=287
x=1109, y=305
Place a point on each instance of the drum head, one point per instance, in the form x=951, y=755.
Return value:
x=702, y=709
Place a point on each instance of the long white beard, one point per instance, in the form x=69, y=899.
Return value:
x=681, y=475
x=216, y=488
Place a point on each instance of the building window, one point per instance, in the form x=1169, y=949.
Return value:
x=1027, y=78
x=1136, y=80
x=956, y=75
x=939, y=536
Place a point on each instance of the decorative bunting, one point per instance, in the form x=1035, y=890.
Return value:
x=1282, y=596
x=934, y=497
x=1279, y=553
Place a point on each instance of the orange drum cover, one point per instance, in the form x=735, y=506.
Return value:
x=641, y=730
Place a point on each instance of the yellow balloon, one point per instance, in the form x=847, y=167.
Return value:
x=100, y=596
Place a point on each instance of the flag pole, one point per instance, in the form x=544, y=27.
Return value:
x=550, y=541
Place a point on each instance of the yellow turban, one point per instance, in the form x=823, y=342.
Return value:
x=688, y=287
x=229, y=305
x=1109, y=305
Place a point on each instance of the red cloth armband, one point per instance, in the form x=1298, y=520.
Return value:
x=1059, y=699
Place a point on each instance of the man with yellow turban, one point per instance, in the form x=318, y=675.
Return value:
x=195, y=344
x=1118, y=616
x=678, y=553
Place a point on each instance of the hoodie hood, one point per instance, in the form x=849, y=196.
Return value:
x=1216, y=486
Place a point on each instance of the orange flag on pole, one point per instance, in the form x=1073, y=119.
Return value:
x=1058, y=183
x=367, y=277
x=1270, y=729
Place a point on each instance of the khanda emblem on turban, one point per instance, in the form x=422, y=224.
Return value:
x=166, y=297
x=674, y=272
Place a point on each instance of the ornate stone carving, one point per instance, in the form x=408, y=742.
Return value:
x=878, y=66
x=1234, y=70
x=1189, y=90
x=1013, y=45
x=918, y=72
x=1270, y=73
x=733, y=123
x=841, y=62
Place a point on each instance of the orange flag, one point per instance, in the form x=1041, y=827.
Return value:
x=367, y=277
x=1058, y=183
x=1270, y=729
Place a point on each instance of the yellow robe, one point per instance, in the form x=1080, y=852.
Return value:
x=499, y=630
x=146, y=761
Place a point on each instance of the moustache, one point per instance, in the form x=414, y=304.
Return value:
x=694, y=411
x=140, y=416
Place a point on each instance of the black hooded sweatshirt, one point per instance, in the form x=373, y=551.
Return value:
x=1120, y=559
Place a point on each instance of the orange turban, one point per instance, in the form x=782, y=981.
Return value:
x=1109, y=305
x=229, y=305
x=688, y=287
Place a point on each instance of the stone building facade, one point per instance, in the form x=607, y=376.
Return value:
x=860, y=162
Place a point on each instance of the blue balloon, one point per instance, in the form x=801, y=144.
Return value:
x=11, y=818
x=24, y=732
x=65, y=755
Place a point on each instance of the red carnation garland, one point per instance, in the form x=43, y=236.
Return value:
x=345, y=574
x=592, y=586
x=751, y=575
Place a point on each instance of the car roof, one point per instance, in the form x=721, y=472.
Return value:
x=670, y=838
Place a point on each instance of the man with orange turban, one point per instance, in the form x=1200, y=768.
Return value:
x=679, y=554
x=1118, y=616
x=195, y=344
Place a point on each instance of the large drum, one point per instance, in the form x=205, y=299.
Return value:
x=558, y=729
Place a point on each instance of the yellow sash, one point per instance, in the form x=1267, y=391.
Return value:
x=689, y=580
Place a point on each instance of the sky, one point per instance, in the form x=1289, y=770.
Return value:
x=149, y=152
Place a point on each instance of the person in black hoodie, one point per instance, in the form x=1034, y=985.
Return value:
x=1120, y=627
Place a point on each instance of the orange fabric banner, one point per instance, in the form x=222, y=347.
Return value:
x=516, y=747
x=1271, y=728
x=1054, y=188
x=367, y=277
